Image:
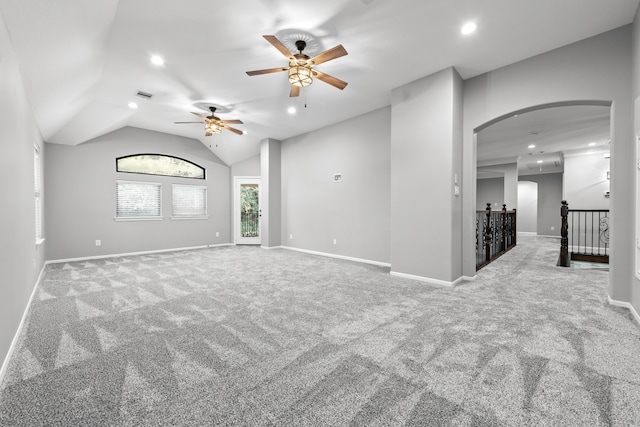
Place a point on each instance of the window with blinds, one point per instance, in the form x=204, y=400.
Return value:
x=37, y=184
x=138, y=200
x=189, y=201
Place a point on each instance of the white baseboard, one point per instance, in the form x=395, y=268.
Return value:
x=272, y=247
x=14, y=342
x=427, y=279
x=157, y=251
x=626, y=305
x=527, y=233
x=469, y=278
x=347, y=258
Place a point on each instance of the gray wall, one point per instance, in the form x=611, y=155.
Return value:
x=355, y=212
x=81, y=197
x=425, y=158
x=271, y=192
x=509, y=172
x=549, y=201
x=585, y=181
x=598, y=68
x=248, y=167
x=635, y=298
x=490, y=190
x=20, y=259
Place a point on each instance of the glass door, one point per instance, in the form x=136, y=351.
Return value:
x=247, y=211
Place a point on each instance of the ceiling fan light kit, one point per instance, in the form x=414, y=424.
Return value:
x=300, y=75
x=211, y=127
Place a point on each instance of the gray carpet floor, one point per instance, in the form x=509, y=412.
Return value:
x=247, y=336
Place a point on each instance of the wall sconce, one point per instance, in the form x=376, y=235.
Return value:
x=608, y=175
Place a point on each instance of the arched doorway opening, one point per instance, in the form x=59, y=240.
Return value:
x=562, y=147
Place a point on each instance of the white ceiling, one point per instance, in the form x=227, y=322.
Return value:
x=83, y=61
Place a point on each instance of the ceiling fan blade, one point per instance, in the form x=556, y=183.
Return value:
x=267, y=71
x=199, y=115
x=239, y=132
x=232, y=122
x=278, y=45
x=186, y=122
x=328, y=55
x=330, y=79
x=295, y=91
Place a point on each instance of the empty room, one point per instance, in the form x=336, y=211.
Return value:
x=349, y=212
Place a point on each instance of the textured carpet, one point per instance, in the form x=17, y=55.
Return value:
x=247, y=336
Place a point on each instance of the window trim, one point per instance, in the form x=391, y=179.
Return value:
x=159, y=217
x=187, y=217
x=204, y=171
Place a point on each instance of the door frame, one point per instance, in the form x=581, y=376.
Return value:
x=238, y=181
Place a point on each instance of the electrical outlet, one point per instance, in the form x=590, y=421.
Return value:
x=217, y=234
x=290, y=236
x=335, y=241
x=552, y=228
x=98, y=242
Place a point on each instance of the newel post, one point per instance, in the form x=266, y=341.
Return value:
x=488, y=235
x=514, y=230
x=563, y=260
x=503, y=246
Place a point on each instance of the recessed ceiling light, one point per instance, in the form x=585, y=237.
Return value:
x=291, y=110
x=244, y=132
x=468, y=28
x=532, y=146
x=133, y=105
x=539, y=161
x=157, y=60
x=591, y=144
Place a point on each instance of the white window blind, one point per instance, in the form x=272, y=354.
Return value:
x=189, y=201
x=37, y=184
x=136, y=199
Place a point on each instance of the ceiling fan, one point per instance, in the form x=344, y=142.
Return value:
x=300, y=69
x=213, y=124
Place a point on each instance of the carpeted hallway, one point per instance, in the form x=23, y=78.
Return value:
x=247, y=336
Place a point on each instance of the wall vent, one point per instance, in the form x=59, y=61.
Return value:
x=142, y=94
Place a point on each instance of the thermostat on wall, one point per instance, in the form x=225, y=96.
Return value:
x=337, y=177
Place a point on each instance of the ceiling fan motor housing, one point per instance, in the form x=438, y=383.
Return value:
x=300, y=45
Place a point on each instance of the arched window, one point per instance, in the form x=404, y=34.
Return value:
x=159, y=164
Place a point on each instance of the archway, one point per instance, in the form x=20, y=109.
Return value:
x=536, y=139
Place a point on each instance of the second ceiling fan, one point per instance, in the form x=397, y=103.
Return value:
x=300, y=69
x=213, y=124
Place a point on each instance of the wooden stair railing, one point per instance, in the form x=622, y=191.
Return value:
x=584, y=235
x=495, y=234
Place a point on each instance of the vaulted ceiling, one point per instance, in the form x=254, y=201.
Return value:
x=83, y=61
